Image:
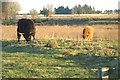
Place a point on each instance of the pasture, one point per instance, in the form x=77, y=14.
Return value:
x=72, y=58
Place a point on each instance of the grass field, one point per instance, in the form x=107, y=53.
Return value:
x=71, y=58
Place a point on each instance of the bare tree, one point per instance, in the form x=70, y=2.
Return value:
x=33, y=13
x=10, y=9
x=48, y=11
x=50, y=8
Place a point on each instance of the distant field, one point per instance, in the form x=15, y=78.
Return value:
x=82, y=19
x=76, y=16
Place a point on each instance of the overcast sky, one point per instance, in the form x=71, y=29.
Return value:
x=27, y=5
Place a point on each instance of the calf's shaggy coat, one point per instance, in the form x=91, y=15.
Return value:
x=88, y=33
x=27, y=28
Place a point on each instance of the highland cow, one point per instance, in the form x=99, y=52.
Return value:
x=88, y=33
x=27, y=28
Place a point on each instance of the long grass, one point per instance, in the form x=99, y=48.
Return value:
x=101, y=32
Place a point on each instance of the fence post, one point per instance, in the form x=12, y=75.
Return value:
x=103, y=73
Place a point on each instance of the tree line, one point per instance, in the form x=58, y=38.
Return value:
x=77, y=9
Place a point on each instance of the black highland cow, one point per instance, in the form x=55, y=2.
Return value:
x=27, y=28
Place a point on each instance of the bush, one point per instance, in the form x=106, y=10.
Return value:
x=9, y=22
x=39, y=20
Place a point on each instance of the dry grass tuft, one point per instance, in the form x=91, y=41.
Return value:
x=52, y=44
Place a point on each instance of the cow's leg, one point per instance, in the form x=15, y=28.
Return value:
x=33, y=37
x=18, y=36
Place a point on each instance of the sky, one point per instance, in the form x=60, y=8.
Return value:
x=27, y=5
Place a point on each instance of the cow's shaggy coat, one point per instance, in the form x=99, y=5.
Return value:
x=27, y=28
x=88, y=33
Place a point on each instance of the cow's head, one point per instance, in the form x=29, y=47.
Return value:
x=27, y=36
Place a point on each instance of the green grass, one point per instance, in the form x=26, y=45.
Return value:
x=67, y=21
x=71, y=59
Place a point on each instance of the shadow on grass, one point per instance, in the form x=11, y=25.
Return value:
x=31, y=47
